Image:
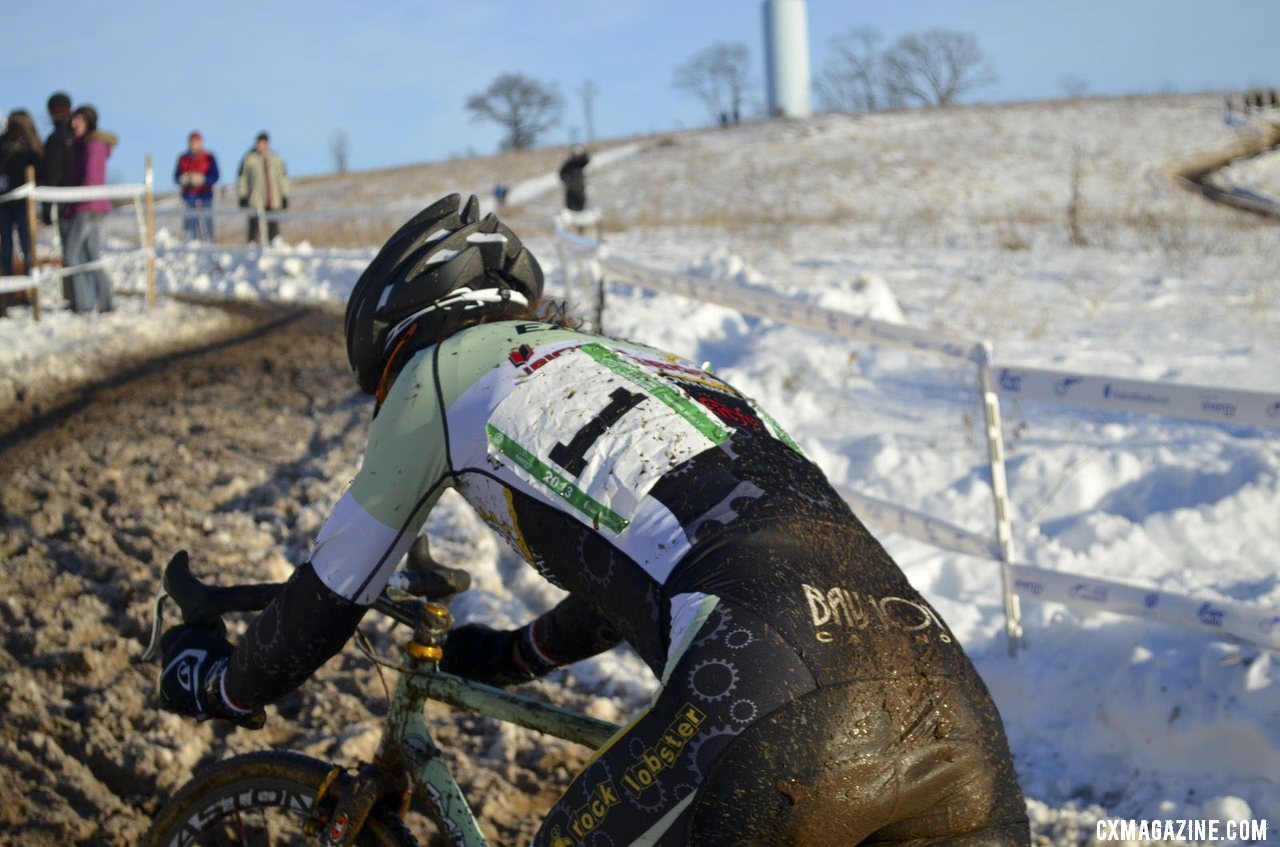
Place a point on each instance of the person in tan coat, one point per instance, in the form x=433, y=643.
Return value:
x=263, y=185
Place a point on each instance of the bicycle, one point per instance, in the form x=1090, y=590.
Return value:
x=274, y=797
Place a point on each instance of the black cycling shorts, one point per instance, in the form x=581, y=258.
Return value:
x=741, y=746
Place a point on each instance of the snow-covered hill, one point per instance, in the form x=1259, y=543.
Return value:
x=959, y=219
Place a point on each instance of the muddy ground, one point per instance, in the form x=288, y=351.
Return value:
x=234, y=454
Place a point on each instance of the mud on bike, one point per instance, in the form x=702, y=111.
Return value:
x=277, y=797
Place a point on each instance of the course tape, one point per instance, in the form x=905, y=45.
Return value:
x=1256, y=625
x=1197, y=402
x=75, y=193
x=10, y=284
x=766, y=304
x=920, y=526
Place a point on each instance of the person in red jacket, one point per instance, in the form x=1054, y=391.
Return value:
x=90, y=148
x=197, y=173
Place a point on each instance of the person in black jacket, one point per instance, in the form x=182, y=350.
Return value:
x=19, y=150
x=55, y=167
x=575, y=181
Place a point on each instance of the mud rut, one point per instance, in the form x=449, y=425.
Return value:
x=234, y=454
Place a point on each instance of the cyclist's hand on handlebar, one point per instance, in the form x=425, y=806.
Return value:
x=487, y=655
x=194, y=663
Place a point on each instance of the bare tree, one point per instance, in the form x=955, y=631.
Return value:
x=340, y=146
x=524, y=107
x=851, y=79
x=935, y=67
x=719, y=76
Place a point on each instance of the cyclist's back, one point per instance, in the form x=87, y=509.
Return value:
x=809, y=694
x=801, y=668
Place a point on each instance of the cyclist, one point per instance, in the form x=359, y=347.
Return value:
x=809, y=694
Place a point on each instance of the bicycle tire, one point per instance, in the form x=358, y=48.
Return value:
x=257, y=798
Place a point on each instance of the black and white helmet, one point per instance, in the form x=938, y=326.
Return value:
x=443, y=263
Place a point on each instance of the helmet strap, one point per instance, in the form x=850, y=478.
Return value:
x=388, y=371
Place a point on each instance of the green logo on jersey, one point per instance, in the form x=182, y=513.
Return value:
x=561, y=485
x=682, y=406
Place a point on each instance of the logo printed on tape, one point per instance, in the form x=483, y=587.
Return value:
x=1064, y=385
x=1219, y=407
x=1010, y=381
x=1210, y=615
x=1028, y=586
x=1091, y=593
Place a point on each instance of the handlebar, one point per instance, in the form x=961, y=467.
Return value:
x=205, y=604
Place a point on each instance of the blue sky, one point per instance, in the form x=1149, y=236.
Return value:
x=394, y=75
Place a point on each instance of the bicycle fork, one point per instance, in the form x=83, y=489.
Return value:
x=407, y=757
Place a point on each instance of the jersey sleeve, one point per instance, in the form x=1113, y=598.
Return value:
x=405, y=469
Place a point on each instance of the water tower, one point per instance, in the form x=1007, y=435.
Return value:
x=786, y=57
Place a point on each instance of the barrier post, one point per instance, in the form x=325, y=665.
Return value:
x=33, y=264
x=595, y=275
x=1000, y=496
x=150, y=245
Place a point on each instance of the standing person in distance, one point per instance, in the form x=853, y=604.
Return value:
x=90, y=149
x=197, y=174
x=55, y=169
x=574, y=179
x=263, y=185
x=809, y=694
x=19, y=149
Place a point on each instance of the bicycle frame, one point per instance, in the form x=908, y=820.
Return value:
x=407, y=746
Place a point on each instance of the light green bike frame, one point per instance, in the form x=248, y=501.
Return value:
x=407, y=744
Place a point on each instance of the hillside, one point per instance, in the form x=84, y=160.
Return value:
x=958, y=220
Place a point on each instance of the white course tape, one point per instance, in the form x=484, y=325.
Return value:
x=75, y=193
x=1220, y=405
x=1254, y=624
x=1257, y=625
x=769, y=305
x=10, y=284
x=920, y=526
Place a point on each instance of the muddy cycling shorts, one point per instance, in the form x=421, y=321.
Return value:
x=741, y=747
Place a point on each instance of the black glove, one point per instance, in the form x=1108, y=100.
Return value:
x=491, y=656
x=194, y=662
x=244, y=202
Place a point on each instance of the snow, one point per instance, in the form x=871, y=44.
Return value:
x=957, y=220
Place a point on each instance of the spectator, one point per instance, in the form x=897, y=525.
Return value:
x=575, y=181
x=55, y=168
x=90, y=148
x=263, y=185
x=500, y=195
x=19, y=149
x=197, y=173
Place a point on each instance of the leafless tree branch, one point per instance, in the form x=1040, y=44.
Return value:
x=524, y=107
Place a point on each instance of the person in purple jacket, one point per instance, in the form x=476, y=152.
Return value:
x=90, y=148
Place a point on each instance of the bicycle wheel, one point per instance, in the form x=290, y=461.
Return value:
x=257, y=799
